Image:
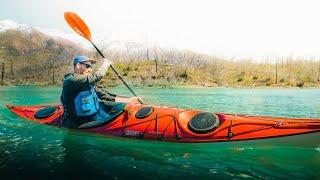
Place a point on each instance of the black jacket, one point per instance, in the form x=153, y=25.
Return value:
x=76, y=83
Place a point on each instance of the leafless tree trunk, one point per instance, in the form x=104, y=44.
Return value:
x=25, y=70
x=276, y=71
x=156, y=59
x=11, y=70
x=147, y=53
x=194, y=60
x=48, y=72
x=53, y=72
x=2, y=74
x=319, y=73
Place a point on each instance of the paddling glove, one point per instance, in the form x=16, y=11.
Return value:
x=104, y=67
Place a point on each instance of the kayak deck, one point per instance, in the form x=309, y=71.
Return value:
x=172, y=124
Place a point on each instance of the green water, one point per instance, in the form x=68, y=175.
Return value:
x=30, y=150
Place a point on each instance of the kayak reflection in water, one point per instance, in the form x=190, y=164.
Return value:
x=82, y=101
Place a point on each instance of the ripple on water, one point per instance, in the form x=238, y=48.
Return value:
x=244, y=176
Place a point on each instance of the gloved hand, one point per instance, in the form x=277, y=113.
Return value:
x=106, y=62
x=104, y=66
x=135, y=100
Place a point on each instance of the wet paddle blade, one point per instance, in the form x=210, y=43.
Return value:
x=78, y=25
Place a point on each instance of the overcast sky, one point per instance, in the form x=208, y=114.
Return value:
x=232, y=28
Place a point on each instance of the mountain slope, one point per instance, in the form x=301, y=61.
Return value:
x=29, y=55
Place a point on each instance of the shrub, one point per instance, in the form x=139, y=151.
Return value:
x=240, y=79
x=281, y=80
x=184, y=74
x=300, y=84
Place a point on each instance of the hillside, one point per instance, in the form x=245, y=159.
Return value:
x=28, y=56
x=32, y=56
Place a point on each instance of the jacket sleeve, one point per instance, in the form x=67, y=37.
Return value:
x=80, y=80
x=104, y=95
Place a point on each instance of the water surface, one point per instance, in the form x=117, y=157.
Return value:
x=30, y=150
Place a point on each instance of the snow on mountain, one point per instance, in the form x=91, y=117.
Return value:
x=103, y=41
x=56, y=33
x=8, y=24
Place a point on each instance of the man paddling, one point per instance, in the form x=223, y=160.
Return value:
x=81, y=99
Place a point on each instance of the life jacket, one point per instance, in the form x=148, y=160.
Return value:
x=86, y=103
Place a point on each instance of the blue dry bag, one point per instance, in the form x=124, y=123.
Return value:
x=86, y=103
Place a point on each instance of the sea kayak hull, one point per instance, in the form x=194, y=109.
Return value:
x=309, y=140
x=173, y=125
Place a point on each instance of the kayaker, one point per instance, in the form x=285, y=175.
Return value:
x=81, y=99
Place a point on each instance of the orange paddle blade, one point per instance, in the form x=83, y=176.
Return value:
x=77, y=24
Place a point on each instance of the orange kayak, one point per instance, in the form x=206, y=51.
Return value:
x=183, y=125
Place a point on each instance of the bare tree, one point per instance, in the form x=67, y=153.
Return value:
x=53, y=73
x=156, y=58
x=147, y=54
x=11, y=70
x=25, y=69
x=319, y=73
x=2, y=74
x=276, y=71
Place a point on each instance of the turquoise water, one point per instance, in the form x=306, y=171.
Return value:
x=30, y=150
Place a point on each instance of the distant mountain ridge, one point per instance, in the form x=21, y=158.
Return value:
x=101, y=40
x=8, y=24
x=29, y=54
x=17, y=40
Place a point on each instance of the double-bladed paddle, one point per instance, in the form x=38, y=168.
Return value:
x=80, y=27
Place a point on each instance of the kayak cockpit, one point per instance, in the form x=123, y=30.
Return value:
x=45, y=112
x=111, y=110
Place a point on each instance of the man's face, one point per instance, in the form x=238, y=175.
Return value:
x=84, y=68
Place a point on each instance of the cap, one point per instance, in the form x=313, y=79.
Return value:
x=79, y=59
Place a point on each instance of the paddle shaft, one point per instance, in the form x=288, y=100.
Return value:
x=115, y=71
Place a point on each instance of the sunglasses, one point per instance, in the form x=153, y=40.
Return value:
x=87, y=65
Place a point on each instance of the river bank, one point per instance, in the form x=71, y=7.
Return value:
x=172, y=86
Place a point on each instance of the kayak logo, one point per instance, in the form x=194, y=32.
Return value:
x=279, y=123
x=131, y=133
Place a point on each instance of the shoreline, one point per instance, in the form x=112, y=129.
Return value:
x=177, y=86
